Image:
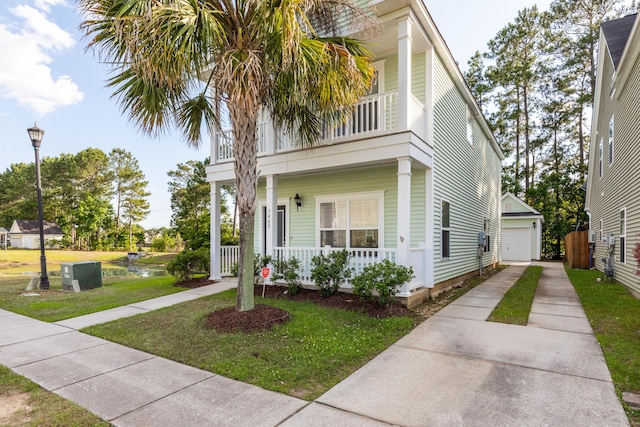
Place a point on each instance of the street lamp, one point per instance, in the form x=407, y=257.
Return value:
x=36, y=138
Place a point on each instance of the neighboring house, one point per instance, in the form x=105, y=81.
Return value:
x=25, y=234
x=613, y=183
x=521, y=230
x=3, y=237
x=413, y=177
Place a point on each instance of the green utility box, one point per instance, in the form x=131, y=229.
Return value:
x=87, y=273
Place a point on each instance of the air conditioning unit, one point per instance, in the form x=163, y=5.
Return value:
x=592, y=236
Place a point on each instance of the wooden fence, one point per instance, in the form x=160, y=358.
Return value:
x=576, y=246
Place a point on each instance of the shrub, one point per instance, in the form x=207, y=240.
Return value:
x=330, y=271
x=384, y=277
x=189, y=262
x=636, y=255
x=287, y=270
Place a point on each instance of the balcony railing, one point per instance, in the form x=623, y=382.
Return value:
x=373, y=115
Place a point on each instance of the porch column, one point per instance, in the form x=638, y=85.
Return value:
x=404, y=73
x=272, y=214
x=404, y=210
x=214, y=253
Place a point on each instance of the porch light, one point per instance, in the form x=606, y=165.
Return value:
x=534, y=225
x=298, y=201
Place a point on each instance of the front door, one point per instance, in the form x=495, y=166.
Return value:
x=281, y=223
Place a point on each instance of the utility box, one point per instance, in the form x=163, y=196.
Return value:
x=87, y=273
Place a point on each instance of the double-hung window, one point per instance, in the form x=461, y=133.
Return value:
x=445, y=230
x=623, y=233
x=611, y=138
x=600, y=158
x=350, y=221
x=487, y=235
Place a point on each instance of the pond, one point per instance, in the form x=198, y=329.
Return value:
x=115, y=270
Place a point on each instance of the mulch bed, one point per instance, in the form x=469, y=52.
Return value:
x=262, y=318
x=265, y=317
x=194, y=283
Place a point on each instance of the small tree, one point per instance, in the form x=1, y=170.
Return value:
x=331, y=271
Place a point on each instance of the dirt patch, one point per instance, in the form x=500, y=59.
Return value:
x=261, y=318
x=11, y=404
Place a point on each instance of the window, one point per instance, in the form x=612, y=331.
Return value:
x=487, y=235
x=600, y=158
x=350, y=222
x=623, y=233
x=611, y=141
x=601, y=230
x=469, y=126
x=445, y=229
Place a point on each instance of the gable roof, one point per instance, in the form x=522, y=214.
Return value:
x=26, y=226
x=529, y=211
x=616, y=34
x=3, y=230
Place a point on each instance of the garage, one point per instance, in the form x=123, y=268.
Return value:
x=516, y=244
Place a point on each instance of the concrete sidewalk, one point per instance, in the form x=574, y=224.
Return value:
x=454, y=369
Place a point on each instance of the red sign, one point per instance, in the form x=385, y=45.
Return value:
x=265, y=272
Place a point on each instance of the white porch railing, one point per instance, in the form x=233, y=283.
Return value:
x=373, y=115
x=360, y=258
x=229, y=255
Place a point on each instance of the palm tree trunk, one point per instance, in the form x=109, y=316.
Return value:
x=244, y=123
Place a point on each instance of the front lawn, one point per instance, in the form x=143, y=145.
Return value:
x=305, y=357
x=614, y=315
x=24, y=403
x=53, y=305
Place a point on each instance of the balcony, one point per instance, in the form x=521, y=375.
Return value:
x=374, y=115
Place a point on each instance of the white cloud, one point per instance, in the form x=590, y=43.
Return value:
x=25, y=74
x=46, y=4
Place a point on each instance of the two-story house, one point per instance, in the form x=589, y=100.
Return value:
x=413, y=176
x=613, y=183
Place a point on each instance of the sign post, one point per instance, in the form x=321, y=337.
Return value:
x=264, y=272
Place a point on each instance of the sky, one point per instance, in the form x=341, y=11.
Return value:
x=47, y=77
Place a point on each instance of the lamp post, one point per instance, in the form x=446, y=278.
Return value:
x=36, y=138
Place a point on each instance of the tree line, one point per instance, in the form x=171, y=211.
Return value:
x=99, y=199
x=535, y=85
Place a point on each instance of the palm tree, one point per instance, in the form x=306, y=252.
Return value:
x=189, y=63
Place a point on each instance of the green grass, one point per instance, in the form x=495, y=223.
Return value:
x=54, y=305
x=305, y=357
x=55, y=256
x=156, y=259
x=43, y=408
x=516, y=303
x=614, y=315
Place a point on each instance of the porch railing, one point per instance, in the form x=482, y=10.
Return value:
x=360, y=258
x=229, y=256
x=372, y=115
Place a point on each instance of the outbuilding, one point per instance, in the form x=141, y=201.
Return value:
x=521, y=230
x=25, y=234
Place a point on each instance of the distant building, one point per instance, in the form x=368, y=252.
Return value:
x=3, y=237
x=25, y=234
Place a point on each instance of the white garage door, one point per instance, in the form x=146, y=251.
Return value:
x=516, y=244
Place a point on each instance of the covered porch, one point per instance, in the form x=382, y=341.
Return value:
x=377, y=212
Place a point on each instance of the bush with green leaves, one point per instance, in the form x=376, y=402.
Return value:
x=188, y=263
x=287, y=270
x=331, y=271
x=385, y=278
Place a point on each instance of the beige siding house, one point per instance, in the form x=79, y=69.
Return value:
x=613, y=184
x=25, y=234
x=413, y=177
x=521, y=230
